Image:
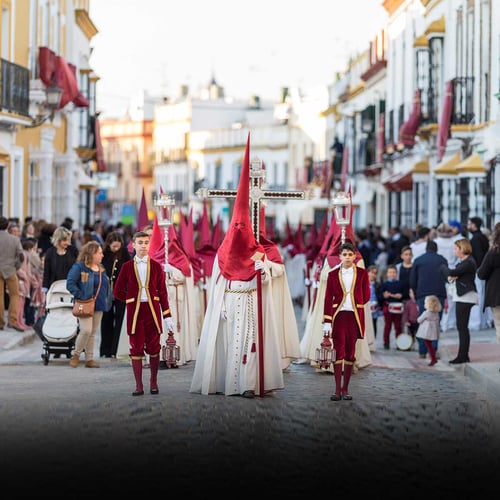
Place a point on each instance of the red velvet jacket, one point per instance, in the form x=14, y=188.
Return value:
x=127, y=288
x=335, y=295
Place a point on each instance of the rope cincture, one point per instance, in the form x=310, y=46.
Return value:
x=250, y=320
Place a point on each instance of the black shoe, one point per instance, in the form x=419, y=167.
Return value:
x=386, y=347
x=457, y=361
x=335, y=397
x=163, y=365
x=249, y=394
x=347, y=397
x=137, y=393
x=154, y=391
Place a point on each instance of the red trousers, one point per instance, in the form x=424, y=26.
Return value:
x=345, y=334
x=389, y=320
x=146, y=337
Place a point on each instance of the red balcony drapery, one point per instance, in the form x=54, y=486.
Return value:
x=55, y=70
x=400, y=181
x=408, y=130
x=444, y=124
x=101, y=164
x=381, y=138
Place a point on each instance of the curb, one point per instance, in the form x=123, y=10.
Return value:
x=486, y=375
x=20, y=339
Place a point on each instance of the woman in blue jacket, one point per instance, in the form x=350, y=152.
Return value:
x=87, y=278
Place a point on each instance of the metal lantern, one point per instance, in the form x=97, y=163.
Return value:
x=165, y=209
x=171, y=352
x=165, y=214
x=325, y=354
x=342, y=210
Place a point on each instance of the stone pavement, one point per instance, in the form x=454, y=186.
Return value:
x=484, y=368
x=413, y=431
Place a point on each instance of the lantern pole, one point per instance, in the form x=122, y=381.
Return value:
x=165, y=210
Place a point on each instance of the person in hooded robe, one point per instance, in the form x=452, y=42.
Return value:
x=282, y=299
x=228, y=360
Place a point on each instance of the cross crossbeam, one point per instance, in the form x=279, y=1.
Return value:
x=257, y=194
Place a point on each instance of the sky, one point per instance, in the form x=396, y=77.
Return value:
x=250, y=48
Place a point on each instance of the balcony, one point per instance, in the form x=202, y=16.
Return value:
x=15, y=88
x=463, y=101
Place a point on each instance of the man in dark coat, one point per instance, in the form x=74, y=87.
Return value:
x=426, y=280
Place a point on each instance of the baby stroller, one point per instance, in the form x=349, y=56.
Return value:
x=57, y=327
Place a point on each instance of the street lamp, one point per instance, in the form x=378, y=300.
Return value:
x=342, y=211
x=53, y=95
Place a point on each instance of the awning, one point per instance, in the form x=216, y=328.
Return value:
x=4, y=153
x=437, y=27
x=373, y=170
x=472, y=165
x=400, y=181
x=421, y=41
x=362, y=197
x=421, y=167
x=448, y=167
x=85, y=181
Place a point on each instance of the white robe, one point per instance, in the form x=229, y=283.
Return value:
x=225, y=362
x=295, y=269
x=285, y=315
x=183, y=306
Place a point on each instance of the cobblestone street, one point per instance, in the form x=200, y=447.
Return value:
x=410, y=430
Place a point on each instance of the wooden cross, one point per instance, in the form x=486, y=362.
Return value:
x=257, y=175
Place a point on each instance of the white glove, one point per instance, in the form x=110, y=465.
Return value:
x=259, y=265
x=169, y=324
x=168, y=268
x=315, y=284
x=290, y=247
x=223, y=315
x=307, y=282
x=203, y=286
x=44, y=290
x=327, y=329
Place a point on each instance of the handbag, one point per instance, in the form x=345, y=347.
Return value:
x=85, y=308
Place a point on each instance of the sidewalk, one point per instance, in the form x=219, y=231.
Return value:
x=12, y=339
x=484, y=353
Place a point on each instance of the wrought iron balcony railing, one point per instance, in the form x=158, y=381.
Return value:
x=463, y=100
x=14, y=88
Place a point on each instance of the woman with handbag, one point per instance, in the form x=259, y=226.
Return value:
x=86, y=280
x=464, y=294
x=115, y=254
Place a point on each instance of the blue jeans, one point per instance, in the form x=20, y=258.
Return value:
x=422, y=350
